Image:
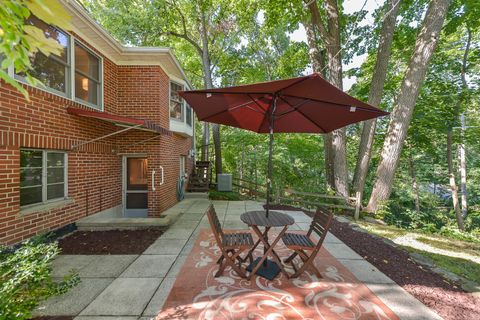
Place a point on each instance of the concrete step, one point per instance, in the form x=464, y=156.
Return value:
x=96, y=224
x=196, y=195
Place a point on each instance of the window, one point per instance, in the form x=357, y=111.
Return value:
x=53, y=71
x=87, y=76
x=176, y=102
x=188, y=115
x=42, y=176
x=75, y=73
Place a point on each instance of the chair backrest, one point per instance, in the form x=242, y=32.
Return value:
x=215, y=224
x=321, y=222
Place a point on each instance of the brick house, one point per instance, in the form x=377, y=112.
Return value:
x=107, y=133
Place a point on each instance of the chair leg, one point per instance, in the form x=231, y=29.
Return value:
x=230, y=261
x=292, y=256
x=307, y=262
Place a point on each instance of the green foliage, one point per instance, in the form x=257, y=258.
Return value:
x=250, y=41
x=462, y=267
x=224, y=195
x=25, y=278
x=19, y=41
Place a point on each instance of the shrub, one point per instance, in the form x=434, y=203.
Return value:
x=25, y=278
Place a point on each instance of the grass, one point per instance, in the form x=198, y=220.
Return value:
x=224, y=195
x=452, y=245
x=464, y=268
x=389, y=232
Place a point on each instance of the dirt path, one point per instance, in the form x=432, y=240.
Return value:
x=410, y=240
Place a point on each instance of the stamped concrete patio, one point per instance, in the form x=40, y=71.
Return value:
x=136, y=286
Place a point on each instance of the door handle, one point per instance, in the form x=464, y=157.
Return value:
x=161, y=177
x=153, y=180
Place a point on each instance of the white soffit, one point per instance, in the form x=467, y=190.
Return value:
x=95, y=35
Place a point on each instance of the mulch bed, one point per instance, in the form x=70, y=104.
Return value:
x=109, y=242
x=446, y=298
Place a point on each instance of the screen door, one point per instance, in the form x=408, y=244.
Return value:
x=136, y=193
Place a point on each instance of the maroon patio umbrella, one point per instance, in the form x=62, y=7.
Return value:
x=306, y=104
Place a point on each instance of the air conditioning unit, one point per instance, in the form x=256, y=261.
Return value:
x=224, y=182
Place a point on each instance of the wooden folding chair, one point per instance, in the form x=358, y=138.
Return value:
x=231, y=245
x=303, y=245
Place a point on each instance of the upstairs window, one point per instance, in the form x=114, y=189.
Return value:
x=176, y=102
x=88, y=86
x=188, y=115
x=42, y=176
x=53, y=71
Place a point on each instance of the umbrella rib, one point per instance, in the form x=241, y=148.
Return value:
x=223, y=92
x=232, y=108
x=303, y=114
x=294, y=108
x=248, y=94
x=295, y=83
x=336, y=104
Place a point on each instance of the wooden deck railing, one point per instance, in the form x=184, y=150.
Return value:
x=251, y=188
x=306, y=199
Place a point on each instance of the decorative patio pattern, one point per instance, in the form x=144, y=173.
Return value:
x=199, y=295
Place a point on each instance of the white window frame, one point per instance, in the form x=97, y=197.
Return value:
x=191, y=115
x=70, y=85
x=183, y=120
x=44, y=177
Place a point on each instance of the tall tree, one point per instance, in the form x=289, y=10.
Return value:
x=329, y=31
x=461, y=153
x=453, y=184
x=402, y=114
x=317, y=57
x=375, y=93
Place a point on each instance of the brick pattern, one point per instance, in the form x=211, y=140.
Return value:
x=95, y=169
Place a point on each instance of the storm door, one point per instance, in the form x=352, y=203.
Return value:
x=136, y=191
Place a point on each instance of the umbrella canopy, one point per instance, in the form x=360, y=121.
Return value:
x=306, y=104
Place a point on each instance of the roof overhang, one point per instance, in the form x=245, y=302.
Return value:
x=95, y=34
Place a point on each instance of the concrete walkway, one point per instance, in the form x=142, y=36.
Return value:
x=136, y=286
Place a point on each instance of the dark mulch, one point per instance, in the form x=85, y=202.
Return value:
x=109, y=242
x=446, y=298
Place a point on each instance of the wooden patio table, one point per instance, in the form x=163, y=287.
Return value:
x=255, y=219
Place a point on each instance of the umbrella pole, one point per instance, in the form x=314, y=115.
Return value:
x=270, y=152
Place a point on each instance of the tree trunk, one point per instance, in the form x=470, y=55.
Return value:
x=209, y=84
x=453, y=184
x=375, y=94
x=462, y=155
x=462, y=163
x=402, y=113
x=413, y=174
x=205, y=140
x=317, y=57
x=334, y=58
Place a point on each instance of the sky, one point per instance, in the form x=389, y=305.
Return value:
x=350, y=7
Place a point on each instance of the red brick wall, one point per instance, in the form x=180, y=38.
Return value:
x=94, y=170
